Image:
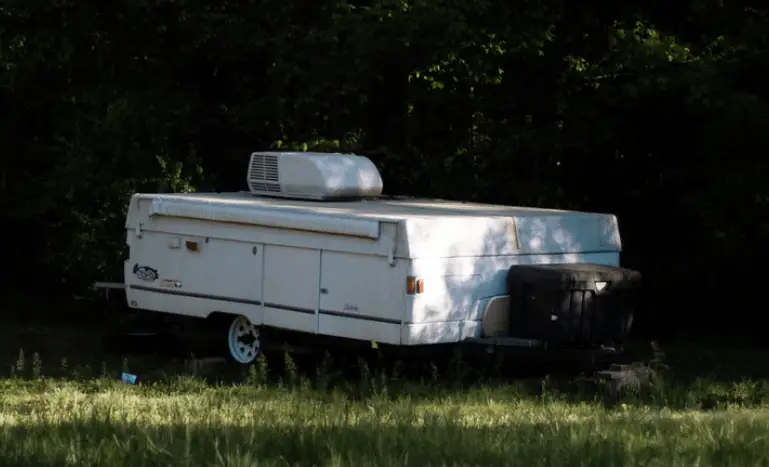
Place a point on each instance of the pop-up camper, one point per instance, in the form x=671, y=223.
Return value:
x=313, y=247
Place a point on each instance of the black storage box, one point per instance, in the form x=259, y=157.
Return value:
x=572, y=305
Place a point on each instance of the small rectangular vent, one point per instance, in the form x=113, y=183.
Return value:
x=264, y=173
x=271, y=187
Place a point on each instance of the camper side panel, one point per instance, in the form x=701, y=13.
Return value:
x=272, y=276
x=291, y=287
x=362, y=297
x=194, y=276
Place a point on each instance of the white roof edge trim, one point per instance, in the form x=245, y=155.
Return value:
x=294, y=221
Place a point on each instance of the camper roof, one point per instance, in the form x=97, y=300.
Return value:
x=383, y=207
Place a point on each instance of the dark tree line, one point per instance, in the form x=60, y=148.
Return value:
x=655, y=111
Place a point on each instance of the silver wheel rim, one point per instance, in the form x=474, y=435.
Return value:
x=243, y=340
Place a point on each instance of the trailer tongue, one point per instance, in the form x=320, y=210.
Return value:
x=315, y=251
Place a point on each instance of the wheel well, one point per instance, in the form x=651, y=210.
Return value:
x=220, y=317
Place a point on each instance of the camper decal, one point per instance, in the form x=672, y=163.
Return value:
x=145, y=273
x=171, y=283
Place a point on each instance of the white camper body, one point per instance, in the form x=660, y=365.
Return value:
x=397, y=271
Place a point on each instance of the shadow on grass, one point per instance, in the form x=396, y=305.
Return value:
x=566, y=442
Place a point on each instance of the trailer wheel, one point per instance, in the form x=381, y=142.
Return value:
x=243, y=340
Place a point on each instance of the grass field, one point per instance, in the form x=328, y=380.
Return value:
x=189, y=423
x=56, y=411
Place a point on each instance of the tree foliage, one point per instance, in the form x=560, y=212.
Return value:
x=658, y=113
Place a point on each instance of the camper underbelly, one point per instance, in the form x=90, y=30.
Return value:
x=309, y=290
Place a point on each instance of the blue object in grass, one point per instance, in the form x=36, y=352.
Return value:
x=128, y=378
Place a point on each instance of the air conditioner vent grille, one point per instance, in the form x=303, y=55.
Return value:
x=263, y=173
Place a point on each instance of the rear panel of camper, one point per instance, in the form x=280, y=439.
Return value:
x=463, y=264
x=313, y=282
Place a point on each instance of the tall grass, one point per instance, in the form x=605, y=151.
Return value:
x=89, y=418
